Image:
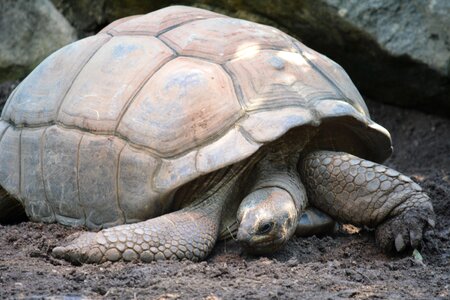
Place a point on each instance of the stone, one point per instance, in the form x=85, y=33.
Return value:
x=84, y=15
x=408, y=40
x=30, y=31
x=418, y=29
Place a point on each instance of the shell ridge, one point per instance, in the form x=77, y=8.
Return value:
x=321, y=72
x=187, y=22
x=276, y=106
x=20, y=164
x=288, y=101
x=241, y=52
x=119, y=206
x=162, y=40
x=222, y=134
x=165, y=30
x=78, y=180
x=114, y=32
x=248, y=136
x=236, y=86
x=10, y=163
x=155, y=173
x=2, y=133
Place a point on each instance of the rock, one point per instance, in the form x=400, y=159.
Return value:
x=30, y=31
x=84, y=15
x=418, y=29
x=5, y=90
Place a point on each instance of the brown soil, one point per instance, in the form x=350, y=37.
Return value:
x=343, y=266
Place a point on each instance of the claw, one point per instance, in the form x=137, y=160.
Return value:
x=399, y=243
x=415, y=238
x=406, y=230
x=418, y=257
x=82, y=249
x=59, y=252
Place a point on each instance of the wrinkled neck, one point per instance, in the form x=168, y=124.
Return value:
x=278, y=170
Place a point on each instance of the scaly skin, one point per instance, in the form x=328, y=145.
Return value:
x=361, y=192
x=189, y=233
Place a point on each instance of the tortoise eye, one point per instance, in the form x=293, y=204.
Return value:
x=265, y=227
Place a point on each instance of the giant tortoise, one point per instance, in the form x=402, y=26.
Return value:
x=164, y=129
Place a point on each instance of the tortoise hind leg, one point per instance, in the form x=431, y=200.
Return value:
x=315, y=222
x=11, y=210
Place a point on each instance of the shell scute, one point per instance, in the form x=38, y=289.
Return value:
x=274, y=79
x=264, y=126
x=175, y=172
x=36, y=100
x=99, y=197
x=185, y=103
x=10, y=160
x=32, y=181
x=337, y=108
x=135, y=189
x=60, y=174
x=110, y=79
x=230, y=148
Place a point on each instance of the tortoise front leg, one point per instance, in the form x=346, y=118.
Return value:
x=361, y=192
x=187, y=234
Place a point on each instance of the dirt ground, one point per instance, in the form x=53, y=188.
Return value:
x=347, y=265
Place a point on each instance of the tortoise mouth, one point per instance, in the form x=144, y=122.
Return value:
x=263, y=247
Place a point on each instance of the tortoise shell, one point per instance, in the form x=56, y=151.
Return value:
x=104, y=130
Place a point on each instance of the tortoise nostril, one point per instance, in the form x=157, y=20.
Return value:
x=243, y=236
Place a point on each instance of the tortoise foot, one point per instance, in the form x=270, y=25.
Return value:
x=404, y=231
x=85, y=247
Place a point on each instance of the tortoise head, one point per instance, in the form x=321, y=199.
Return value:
x=267, y=218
